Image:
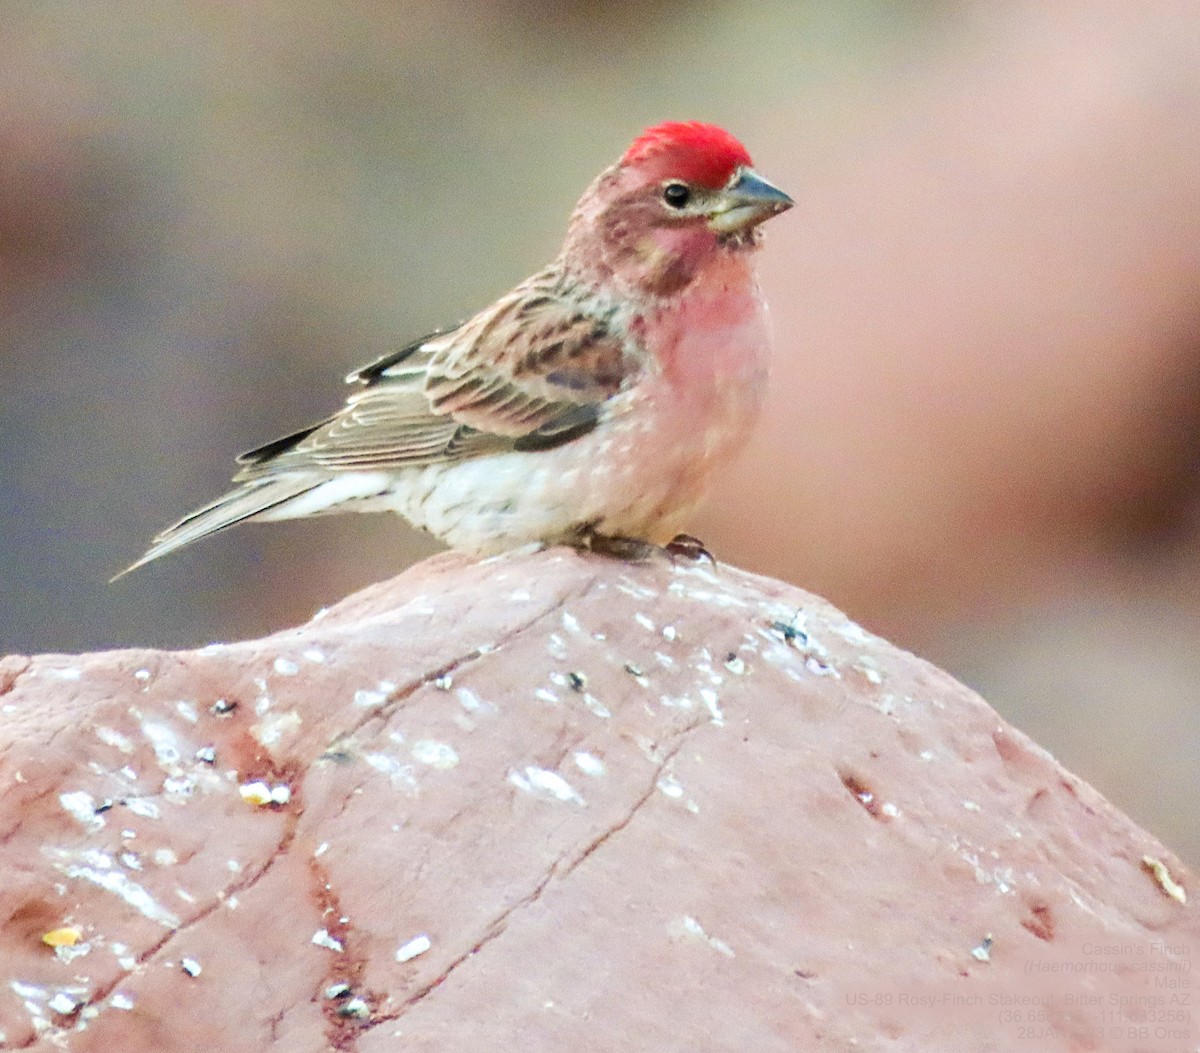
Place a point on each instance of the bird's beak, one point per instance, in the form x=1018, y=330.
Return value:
x=746, y=202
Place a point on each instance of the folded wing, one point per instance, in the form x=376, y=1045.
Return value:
x=532, y=372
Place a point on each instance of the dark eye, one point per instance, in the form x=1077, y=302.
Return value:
x=677, y=195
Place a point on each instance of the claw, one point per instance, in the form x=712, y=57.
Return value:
x=684, y=546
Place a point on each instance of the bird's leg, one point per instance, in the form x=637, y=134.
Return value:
x=684, y=546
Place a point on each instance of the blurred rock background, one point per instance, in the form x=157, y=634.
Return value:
x=984, y=429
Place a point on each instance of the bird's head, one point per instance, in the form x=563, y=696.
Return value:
x=681, y=195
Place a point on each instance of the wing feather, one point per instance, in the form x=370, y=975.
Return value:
x=533, y=371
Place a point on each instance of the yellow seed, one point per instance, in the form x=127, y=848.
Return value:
x=67, y=936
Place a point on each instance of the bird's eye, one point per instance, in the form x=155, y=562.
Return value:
x=677, y=195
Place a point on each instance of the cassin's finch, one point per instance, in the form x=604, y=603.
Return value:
x=588, y=406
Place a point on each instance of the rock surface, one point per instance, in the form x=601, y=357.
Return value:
x=553, y=801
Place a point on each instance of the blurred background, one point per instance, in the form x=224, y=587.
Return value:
x=984, y=428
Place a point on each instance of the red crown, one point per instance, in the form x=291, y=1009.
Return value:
x=688, y=150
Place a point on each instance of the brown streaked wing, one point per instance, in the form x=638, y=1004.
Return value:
x=530, y=372
x=537, y=357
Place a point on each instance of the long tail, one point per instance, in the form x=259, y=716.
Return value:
x=251, y=500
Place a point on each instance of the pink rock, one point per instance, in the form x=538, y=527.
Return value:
x=553, y=801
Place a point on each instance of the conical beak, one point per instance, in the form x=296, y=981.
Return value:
x=746, y=202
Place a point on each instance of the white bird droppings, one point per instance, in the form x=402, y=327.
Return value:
x=178, y=787
x=322, y=939
x=314, y=655
x=355, y=1009
x=112, y=737
x=711, y=702
x=256, y=793
x=259, y=794
x=683, y=702
x=639, y=677
x=472, y=703
x=588, y=763
x=29, y=992
x=164, y=742
x=645, y=621
x=81, y=806
x=669, y=786
x=129, y=891
x=545, y=783
x=818, y=668
x=369, y=699
x=983, y=953
x=286, y=667
x=63, y=1004
x=693, y=928
x=398, y=774
x=437, y=755
x=143, y=807
x=867, y=666
x=596, y=706
x=853, y=633
x=418, y=945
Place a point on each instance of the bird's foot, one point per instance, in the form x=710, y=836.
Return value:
x=638, y=550
x=627, y=549
x=684, y=546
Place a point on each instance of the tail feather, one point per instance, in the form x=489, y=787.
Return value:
x=246, y=502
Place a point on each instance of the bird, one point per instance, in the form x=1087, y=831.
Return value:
x=590, y=406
